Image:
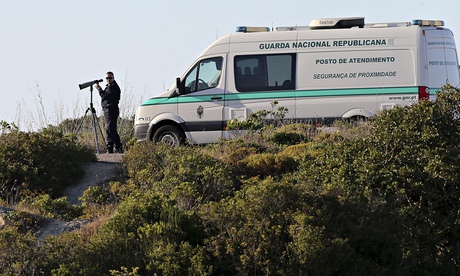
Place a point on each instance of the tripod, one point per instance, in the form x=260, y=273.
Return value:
x=95, y=122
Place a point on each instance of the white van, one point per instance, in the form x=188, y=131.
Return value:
x=333, y=69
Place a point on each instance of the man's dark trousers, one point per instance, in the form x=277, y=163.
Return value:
x=111, y=114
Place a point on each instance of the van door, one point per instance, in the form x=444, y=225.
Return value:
x=202, y=103
x=441, y=58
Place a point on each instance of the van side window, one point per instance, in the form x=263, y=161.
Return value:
x=204, y=75
x=264, y=72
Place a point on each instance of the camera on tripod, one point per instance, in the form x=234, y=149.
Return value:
x=89, y=83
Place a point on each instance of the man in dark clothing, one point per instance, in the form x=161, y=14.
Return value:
x=110, y=97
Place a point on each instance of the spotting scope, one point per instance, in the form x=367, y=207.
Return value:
x=89, y=83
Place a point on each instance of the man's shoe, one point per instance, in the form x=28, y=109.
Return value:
x=109, y=151
x=119, y=149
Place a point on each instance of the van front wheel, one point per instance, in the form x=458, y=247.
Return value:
x=170, y=135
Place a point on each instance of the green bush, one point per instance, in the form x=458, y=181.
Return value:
x=148, y=232
x=38, y=162
x=58, y=208
x=292, y=134
x=233, y=155
x=231, y=151
x=19, y=254
x=266, y=164
x=404, y=178
x=66, y=255
x=305, y=150
x=184, y=173
x=100, y=195
x=250, y=231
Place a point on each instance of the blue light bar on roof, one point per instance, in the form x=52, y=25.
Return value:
x=246, y=29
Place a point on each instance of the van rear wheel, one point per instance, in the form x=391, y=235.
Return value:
x=359, y=119
x=170, y=135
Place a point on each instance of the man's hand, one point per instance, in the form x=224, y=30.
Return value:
x=98, y=87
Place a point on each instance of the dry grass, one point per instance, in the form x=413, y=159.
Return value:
x=39, y=116
x=99, y=214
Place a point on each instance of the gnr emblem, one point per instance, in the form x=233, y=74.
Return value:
x=200, y=111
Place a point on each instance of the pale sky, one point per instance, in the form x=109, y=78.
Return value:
x=48, y=47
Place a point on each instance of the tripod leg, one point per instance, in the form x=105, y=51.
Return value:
x=101, y=132
x=81, y=123
x=95, y=133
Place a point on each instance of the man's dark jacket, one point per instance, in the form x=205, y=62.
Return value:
x=110, y=96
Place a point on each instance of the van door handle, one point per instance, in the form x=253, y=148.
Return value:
x=215, y=98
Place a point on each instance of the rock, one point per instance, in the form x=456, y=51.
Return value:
x=4, y=212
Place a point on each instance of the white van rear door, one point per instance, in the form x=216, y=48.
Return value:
x=441, y=58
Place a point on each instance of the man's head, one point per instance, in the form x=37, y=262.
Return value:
x=109, y=77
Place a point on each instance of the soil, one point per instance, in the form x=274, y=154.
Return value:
x=107, y=168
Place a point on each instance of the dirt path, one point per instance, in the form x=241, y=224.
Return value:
x=96, y=173
x=107, y=168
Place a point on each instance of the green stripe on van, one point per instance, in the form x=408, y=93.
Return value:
x=191, y=98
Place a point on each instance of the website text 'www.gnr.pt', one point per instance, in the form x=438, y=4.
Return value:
x=413, y=97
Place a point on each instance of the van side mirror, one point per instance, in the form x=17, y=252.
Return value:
x=179, y=88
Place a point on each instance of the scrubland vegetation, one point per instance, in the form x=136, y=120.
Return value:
x=379, y=197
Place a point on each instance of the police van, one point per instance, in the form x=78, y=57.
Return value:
x=335, y=68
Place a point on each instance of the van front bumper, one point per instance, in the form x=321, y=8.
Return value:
x=141, y=132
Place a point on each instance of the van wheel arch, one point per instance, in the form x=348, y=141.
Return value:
x=357, y=114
